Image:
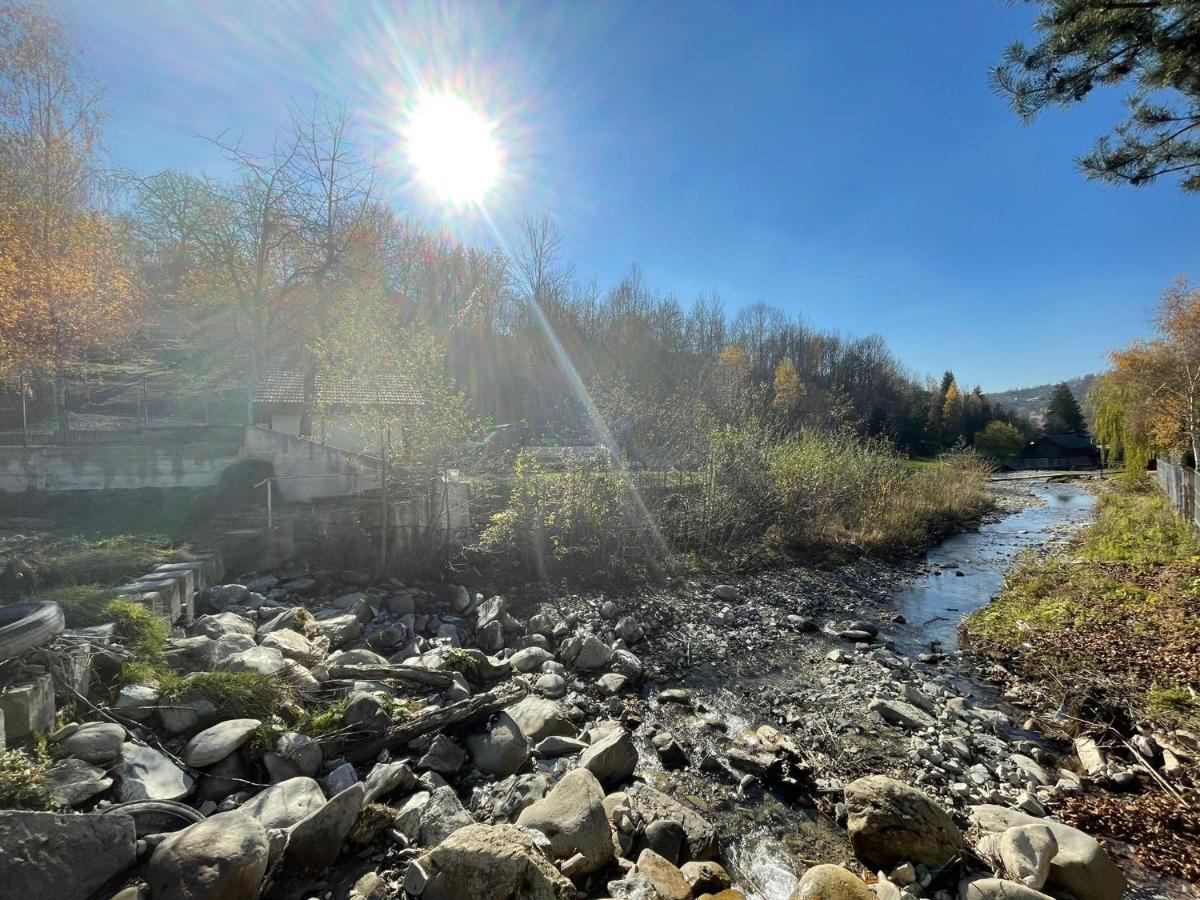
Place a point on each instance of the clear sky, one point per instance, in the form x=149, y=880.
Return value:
x=846, y=162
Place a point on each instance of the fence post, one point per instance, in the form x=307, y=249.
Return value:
x=383, y=501
x=24, y=415
x=270, y=511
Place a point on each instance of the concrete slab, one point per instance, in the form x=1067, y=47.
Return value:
x=28, y=707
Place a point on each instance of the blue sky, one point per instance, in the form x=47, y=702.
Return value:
x=846, y=162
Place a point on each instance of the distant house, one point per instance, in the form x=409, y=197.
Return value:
x=320, y=404
x=1059, y=451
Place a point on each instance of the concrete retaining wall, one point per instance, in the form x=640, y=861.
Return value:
x=98, y=467
x=297, y=460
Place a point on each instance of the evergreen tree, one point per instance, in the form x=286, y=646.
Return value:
x=1063, y=415
x=1083, y=45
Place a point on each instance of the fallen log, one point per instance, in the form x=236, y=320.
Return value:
x=456, y=715
x=410, y=674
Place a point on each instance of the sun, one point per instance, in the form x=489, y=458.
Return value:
x=453, y=148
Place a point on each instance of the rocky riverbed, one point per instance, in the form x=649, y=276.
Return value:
x=791, y=734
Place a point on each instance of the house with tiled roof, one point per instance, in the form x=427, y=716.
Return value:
x=310, y=404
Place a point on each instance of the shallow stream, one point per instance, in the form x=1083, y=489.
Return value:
x=932, y=603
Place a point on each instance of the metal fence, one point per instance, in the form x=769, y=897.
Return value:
x=38, y=410
x=1179, y=484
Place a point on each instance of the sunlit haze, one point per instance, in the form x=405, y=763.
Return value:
x=452, y=148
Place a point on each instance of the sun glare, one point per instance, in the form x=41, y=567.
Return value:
x=453, y=148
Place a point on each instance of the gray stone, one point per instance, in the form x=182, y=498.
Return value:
x=190, y=654
x=339, y=780
x=890, y=822
x=223, y=595
x=1022, y=853
x=221, y=858
x=221, y=624
x=387, y=778
x=365, y=714
x=230, y=645
x=551, y=685
x=98, y=743
x=315, y=841
x=213, y=744
x=666, y=879
x=593, y=654
x=651, y=804
x=612, y=758
x=143, y=773
x=829, y=882
x=530, y=659
x=538, y=718
x=223, y=779
x=997, y=889
x=441, y=816
x=443, y=756
x=263, y=660
x=72, y=782
x=666, y=837
x=629, y=630
x=301, y=751
x=572, y=817
x=285, y=804
x=137, y=701
x=65, y=857
x=487, y=862
x=502, y=750
x=340, y=630
x=897, y=712
x=1080, y=867
x=179, y=716
x=556, y=745
x=612, y=684
x=293, y=645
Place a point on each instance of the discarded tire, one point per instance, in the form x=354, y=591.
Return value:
x=27, y=625
x=155, y=816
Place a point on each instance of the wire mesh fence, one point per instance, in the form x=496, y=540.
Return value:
x=40, y=410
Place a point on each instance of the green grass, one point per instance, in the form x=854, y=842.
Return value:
x=142, y=632
x=82, y=604
x=240, y=695
x=23, y=782
x=1113, y=615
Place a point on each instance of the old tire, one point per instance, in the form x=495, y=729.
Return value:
x=27, y=625
x=155, y=816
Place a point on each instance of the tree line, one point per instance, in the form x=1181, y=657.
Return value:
x=296, y=260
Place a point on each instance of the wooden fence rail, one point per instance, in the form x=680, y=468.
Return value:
x=1179, y=484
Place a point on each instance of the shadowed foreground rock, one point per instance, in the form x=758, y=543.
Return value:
x=65, y=857
x=221, y=858
x=489, y=862
x=890, y=822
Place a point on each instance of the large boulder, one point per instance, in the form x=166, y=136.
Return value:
x=890, y=822
x=1080, y=867
x=997, y=889
x=667, y=880
x=489, y=862
x=652, y=804
x=285, y=804
x=315, y=841
x=572, y=817
x=66, y=857
x=222, y=858
x=1023, y=853
x=611, y=759
x=221, y=624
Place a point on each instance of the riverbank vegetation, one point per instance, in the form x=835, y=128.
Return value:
x=1108, y=623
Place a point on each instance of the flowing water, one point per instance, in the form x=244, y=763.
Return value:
x=933, y=604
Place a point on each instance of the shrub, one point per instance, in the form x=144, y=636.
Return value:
x=23, y=782
x=143, y=632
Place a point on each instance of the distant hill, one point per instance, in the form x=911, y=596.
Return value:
x=1031, y=401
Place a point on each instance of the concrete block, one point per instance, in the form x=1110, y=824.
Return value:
x=196, y=567
x=28, y=707
x=72, y=670
x=152, y=600
x=214, y=566
x=169, y=593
